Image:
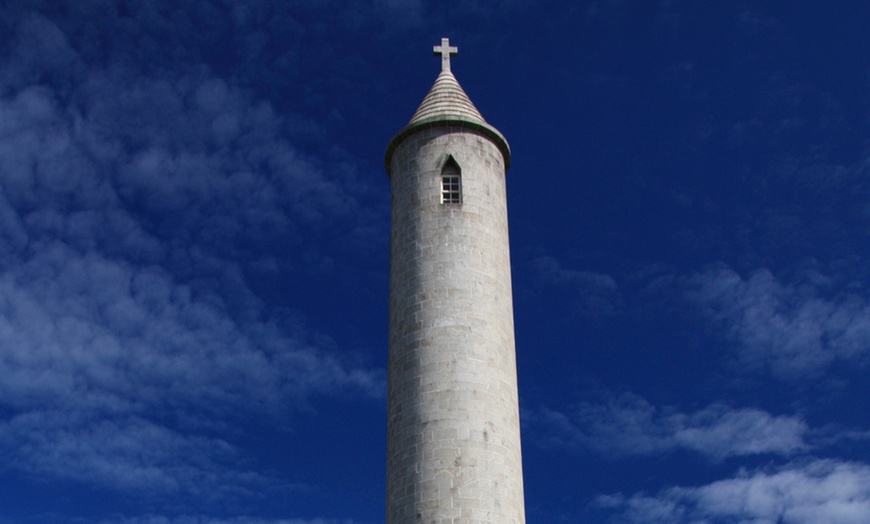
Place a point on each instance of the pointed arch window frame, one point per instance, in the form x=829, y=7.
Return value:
x=451, y=182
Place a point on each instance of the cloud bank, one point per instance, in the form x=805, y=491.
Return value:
x=792, y=331
x=137, y=205
x=628, y=425
x=827, y=491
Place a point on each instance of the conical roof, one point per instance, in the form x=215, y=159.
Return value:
x=446, y=100
x=446, y=104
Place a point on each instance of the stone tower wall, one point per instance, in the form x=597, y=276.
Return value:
x=453, y=448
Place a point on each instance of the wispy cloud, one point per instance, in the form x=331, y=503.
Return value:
x=213, y=520
x=827, y=491
x=627, y=425
x=88, y=332
x=595, y=293
x=792, y=330
x=124, y=453
x=405, y=13
x=135, y=202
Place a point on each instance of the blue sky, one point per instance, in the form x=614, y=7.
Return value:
x=194, y=229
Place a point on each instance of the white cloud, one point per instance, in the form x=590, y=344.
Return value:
x=790, y=330
x=212, y=520
x=41, y=45
x=403, y=14
x=132, y=202
x=86, y=332
x=826, y=491
x=90, y=348
x=128, y=454
x=597, y=293
x=630, y=426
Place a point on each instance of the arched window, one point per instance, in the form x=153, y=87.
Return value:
x=451, y=182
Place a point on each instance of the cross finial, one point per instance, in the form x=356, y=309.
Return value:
x=445, y=51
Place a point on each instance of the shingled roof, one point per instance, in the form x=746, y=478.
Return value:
x=446, y=104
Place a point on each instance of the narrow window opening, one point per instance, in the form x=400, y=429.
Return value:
x=451, y=183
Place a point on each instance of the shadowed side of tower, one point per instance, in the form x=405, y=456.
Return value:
x=453, y=450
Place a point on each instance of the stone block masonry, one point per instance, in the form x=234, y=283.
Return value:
x=453, y=446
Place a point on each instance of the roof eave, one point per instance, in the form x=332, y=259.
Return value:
x=448, y=121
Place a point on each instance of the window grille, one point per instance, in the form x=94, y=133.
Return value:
x=451, y=183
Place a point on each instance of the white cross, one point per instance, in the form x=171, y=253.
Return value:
x=445, y=51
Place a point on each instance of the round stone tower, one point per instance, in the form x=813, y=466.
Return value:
x=453, y=444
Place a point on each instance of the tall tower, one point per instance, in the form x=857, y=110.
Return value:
x=453, y=435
